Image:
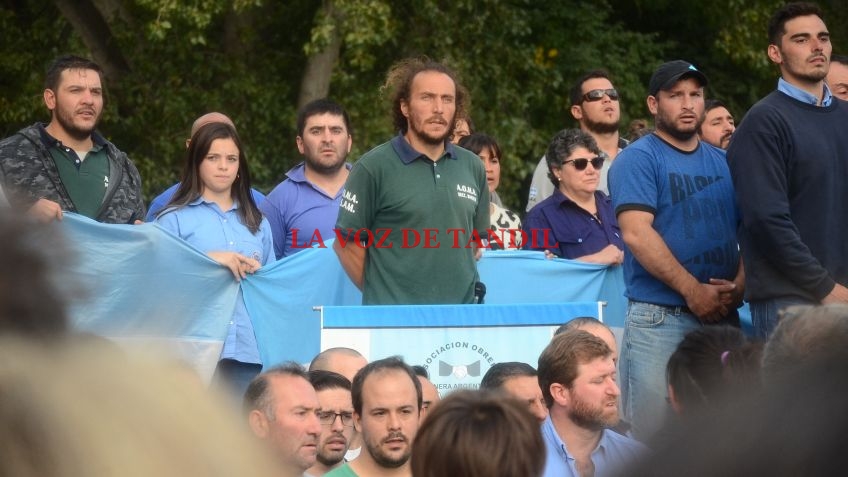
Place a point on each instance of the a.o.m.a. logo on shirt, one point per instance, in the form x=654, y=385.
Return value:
x=466, y=192
x=349, y=202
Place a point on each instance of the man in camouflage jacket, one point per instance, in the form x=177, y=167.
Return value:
x=33, y=160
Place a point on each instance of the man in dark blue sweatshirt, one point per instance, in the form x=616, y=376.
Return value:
x=789, y=163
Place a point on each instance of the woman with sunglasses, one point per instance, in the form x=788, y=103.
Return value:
x=577, y=221
x=213, y=210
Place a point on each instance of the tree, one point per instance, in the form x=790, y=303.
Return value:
x=169, y=62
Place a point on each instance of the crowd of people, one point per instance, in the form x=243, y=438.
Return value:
x=699, y=214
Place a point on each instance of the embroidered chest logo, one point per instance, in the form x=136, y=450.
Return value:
x=466, y=192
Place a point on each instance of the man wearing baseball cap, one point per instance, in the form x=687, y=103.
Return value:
x=674, y=201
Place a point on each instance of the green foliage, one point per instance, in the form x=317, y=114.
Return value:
x=246, y=58
x=30, y=38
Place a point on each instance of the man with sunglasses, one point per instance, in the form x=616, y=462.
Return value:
x=595, y=106
x=336, y=417
x=674, y=201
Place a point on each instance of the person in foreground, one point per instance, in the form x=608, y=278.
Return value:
x=793, y=425
x=386, y=411
x=517, y=381
x=577, y=377
x=478, y=433
x=336, y=418
x=283, y=411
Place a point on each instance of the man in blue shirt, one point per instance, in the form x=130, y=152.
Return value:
x=789, y=162
x=302, y=209
x=577, y=377
x=674, y=201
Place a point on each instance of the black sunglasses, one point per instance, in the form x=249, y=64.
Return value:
x=581, y=163
x=598, y=94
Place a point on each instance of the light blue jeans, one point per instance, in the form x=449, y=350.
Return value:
x=766, y=313
x=651, y=334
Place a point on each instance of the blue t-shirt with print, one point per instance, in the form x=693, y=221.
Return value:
x=691, y=197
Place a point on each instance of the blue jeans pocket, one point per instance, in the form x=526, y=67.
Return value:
x=644, y=315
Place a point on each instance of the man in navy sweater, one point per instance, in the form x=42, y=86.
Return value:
x=789, y=163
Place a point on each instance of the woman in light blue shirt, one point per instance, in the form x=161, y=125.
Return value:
x=214, y=211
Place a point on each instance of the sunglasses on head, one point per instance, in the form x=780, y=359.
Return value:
x=582, y=163
x=598, y=94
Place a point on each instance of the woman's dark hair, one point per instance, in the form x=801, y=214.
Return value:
x=191, y=187
x=478, y=142
x=563, y=144
x=478, y=434
x=710, y=362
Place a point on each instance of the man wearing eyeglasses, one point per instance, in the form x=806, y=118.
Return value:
x=595, y=106
x=283, y=411
x=336, y=417
x=674, y=201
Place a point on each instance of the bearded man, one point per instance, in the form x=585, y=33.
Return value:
x=66, y=165
x=577, y=377
x=414, y=208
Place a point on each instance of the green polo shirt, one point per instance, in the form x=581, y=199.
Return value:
x=417, y=217
x=86, y=181
x=343, y=471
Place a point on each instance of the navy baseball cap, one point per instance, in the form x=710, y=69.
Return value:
x=670, y=73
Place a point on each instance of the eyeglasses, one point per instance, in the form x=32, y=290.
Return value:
x=598, y=94
x=582, y=163
x=327, y=418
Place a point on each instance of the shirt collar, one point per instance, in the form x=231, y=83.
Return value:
x=50, y=141
x=548, y=428
x=298, y=172
x=408, y=154
x=200, y=200
x=562, y=198
x=795, y=92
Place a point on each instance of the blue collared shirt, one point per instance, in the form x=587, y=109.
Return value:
x=160, y=201
x=795, y=92
x=209, y=229
x=613, y=454
x=573, y=230
x=298, y=209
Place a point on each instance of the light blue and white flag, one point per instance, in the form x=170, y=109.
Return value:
x=144, y=287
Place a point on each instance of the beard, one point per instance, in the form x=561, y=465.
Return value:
x=666, y=125
x=66, y=120
x=325, y=167
x=329, y=458
x=384, y=460
x=591, y=417
x=600, y=127
x=724, y=143
x=430, y=139
x=813, y=76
